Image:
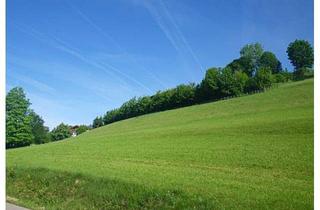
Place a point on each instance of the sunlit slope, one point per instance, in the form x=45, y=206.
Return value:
x=250, y=152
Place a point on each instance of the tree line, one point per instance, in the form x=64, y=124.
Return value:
x=254, y=70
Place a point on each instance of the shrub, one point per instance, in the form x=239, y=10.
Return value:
x=309, y=73
x=241, y=80
x=279, y=78
x=263, y=78
x=82, y=129
x=60, y=132
x=97, y=122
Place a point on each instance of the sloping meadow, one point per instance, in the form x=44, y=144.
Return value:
x=252, y=152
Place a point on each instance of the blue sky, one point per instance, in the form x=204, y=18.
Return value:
x=78, y=59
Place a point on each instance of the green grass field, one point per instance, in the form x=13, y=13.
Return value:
x=252, y=152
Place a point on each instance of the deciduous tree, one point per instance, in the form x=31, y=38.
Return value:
x=62, y=131
x=39, y=131
x=253, y=52
x=263, y=78
x=18, y=129
x=269, y=60
x=300, y=53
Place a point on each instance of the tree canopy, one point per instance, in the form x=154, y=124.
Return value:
x=60, y=132
x=39, y=131
x=18, y=128
x=269, y=60
x=97, y=122
x=244, y=64
x=81, y=129
x=300, y=53
x=263, y=78
x=208, y=88
x=253, y=52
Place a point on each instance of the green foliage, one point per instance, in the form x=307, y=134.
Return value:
x=279, y=78
x=251, y=152
x=283, y=76
x=227, y=83
x=18, y=129
x=217, y=83
x=269, y=60
x=240, y=80
x=208, y=88
x=183, y=95
x=300, y=53
x=244, y=64
x=49, y=137
x=288, y=75
x=302, y=73
x=253, y=52
x=97, y=122
x=81, y=129
x=143, y=105
x=263, y=78
x=220, y=83
x=39, y=131
x=161, y=100
x=60, y=132
x=309, y=73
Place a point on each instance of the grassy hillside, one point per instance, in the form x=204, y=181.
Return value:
x=253, y=152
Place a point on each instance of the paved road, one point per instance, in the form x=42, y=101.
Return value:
x=10, y=206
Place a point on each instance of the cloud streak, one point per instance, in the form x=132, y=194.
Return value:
x=59, y=44
x=80, y=77
x=36, y=84
x=169, y=27
x=110, y=38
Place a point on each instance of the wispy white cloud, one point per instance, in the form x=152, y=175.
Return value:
x=35, y=83
x=61, y=45
x=169, y=27
x=110, y=38
x=77, y=77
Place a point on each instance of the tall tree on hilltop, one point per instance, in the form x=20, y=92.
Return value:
x=300, y=53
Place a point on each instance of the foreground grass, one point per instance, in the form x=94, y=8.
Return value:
x=253, y=152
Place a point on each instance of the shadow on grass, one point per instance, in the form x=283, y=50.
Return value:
x=38, y=188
